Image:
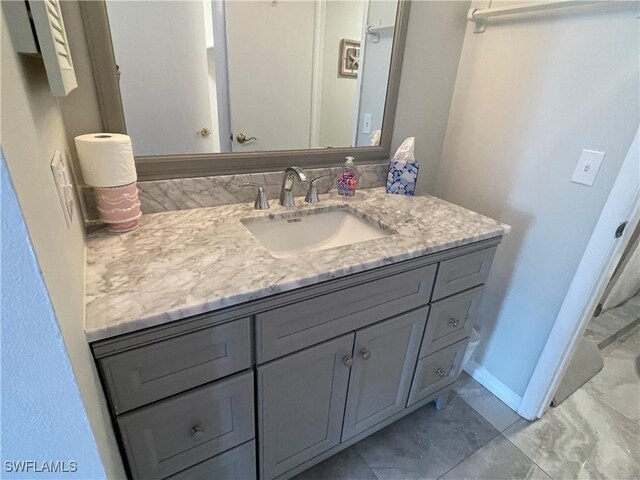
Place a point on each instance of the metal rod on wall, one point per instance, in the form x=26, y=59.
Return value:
x=480, y=16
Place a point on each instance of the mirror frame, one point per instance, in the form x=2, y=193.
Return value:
x=159, y=167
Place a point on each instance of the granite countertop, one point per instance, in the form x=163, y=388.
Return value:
x=182, y=263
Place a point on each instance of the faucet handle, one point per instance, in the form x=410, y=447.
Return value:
x=321, y=176
x=261, y=202
x=312, y=192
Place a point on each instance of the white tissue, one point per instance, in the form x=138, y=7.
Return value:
x=106, y=159
x=404, y=153
x=375, y=138
x=403, y=170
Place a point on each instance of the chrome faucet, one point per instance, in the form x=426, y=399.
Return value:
x=312, y=192
x=286, y=194
x=261, y=202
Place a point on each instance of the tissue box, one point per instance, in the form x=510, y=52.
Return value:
x=402, y=177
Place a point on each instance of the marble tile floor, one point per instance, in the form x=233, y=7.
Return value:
x=595, y=433
x=610, y=325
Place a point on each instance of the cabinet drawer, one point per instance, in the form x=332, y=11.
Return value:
x=176, y=433
x=450, y=320
x=146, y=374
x=460, y=273
x=236, y=464
x=437, y=371
x=287, y=329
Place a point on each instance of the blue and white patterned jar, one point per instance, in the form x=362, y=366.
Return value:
x=402, y=177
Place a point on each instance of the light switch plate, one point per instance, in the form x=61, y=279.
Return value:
x=64, y=186
x=366, y=124
x=587, y=167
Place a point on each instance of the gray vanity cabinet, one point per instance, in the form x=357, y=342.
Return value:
x=271, y=387
x=451, y=320
x=173, y=434
x=236, y=464
x=462, y=272
x=301, y=401
x=437, y=370
x=384, y=360
x=152, y=372
x=301, y=324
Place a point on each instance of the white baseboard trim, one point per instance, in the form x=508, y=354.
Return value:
x=495, y=386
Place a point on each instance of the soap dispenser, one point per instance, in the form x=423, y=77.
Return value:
x=348, y=179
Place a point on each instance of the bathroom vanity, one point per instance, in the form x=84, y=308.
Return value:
x=220, y=360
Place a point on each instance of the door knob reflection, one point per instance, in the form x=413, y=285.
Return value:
x=242, y=138
x=204, y=133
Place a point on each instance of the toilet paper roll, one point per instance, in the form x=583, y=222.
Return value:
x=106, y=159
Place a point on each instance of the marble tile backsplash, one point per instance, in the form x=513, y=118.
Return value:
x=184, y=193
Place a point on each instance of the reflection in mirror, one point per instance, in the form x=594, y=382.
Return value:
x=201, y=76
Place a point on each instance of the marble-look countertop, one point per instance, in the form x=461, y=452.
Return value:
x=182, y=263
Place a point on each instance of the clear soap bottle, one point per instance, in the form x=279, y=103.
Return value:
x=348, y=179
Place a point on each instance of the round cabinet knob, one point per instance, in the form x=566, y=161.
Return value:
x=453, y=322
x=440, y=372
x=197, y=433
x=365, y=354
x=347, y=361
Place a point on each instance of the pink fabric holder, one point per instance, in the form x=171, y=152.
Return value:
x=119, y=207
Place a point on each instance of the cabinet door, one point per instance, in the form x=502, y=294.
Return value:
x=301, y=404
x=385, y=357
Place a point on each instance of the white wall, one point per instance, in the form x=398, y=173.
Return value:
x=530, y=94
x=432, y=52
x=32, y=129
x=343, y=20
x=161, y=49
x=376, y=58
x=43, y=418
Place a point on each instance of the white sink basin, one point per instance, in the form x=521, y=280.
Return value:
x=293, y=233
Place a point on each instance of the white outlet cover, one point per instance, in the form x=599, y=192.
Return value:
x=587, y=167
x=64, y=186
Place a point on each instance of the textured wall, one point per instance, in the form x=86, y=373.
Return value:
x=531, y=93
x=32, y=130
x=43, y=418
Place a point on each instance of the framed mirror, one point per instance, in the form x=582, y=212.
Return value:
x=211, y=87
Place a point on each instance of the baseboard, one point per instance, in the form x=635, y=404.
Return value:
x=495, y=386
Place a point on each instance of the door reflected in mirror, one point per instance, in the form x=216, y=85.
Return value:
x=202, y=76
